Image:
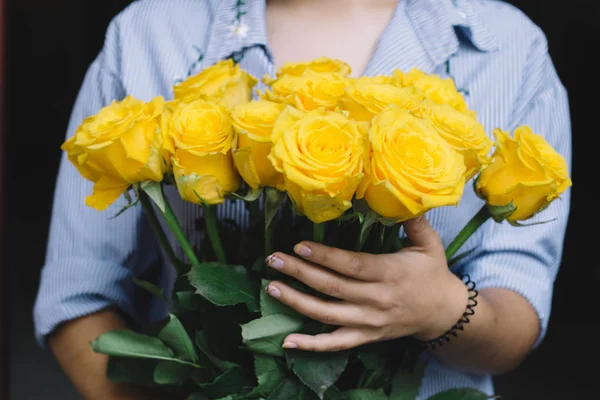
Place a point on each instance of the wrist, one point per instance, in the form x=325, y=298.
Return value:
x=449, y=309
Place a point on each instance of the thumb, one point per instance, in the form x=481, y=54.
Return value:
x=421, y=234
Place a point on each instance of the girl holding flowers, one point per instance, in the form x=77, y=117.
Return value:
x=404, y=125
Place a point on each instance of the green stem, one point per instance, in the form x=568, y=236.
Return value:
x=210, y=218
x=269, y=240
x=173, y=223
x=370, y=379
x=255, y=214
x=482, y=215
x=390, y=241
x=159, y=232
x=319, y=232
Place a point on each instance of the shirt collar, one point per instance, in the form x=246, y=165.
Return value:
x=436, y=23
x=239, y=24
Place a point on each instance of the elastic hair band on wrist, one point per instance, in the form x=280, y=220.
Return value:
x=460, y=325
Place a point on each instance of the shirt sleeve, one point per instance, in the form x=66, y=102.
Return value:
x=526, y=259
x=90, y=257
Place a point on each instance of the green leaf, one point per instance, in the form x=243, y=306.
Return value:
x=176, y=337
x=125, y=208
x=371, y=360
x=133, y=370
x=232, y=381
x=151, y=287
x=287, y=390
x=370, y=219
x=406, y=384
x=202, y=344
x=522, y=225
x=462, y=394
x=265, y=335
x=351, y=217
x=128, y=197
x=126, y=343
x=366, y=394
x=196, y=396
x=259, y=266
x=273, y=200
x=318, y=371
x=224, y=285
x=334, y=394
x=269, y=372
x=188, y=300
x=500, y=213
x=154, y=190
x=251, y=195
x=270, y=306
x=171, y=373
x=389, y=222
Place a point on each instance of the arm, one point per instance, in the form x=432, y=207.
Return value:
x=86, y=369
x=515, y=268
x=499, y=336
x=90, y=258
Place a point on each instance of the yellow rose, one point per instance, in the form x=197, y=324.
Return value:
x=321, y=64
x=202, y=163
x=253, y=123
x=377, y=79
x=118, y=146
x=410, y=168
x=364, y=99
x=308, y=92
x=441, y=91
x=462, y=131
x=526, y=171
x=224, y=81
x=320, y=153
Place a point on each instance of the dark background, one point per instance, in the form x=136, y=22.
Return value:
x=50, y=43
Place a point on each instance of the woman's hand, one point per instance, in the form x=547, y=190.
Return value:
x=381, y=296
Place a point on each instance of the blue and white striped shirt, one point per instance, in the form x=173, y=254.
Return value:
x=493, y=51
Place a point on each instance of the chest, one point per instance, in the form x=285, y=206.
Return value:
x=300, y=34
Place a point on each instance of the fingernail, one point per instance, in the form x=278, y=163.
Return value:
x=302, y=250
x=274, y=262
x=273, y=291
x=289, y=345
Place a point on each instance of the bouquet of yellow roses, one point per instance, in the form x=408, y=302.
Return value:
x=318, y=155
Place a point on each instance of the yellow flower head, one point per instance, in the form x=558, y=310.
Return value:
x=462, y=131
x=202, y=163
x=365, y=99
x=441, y=91
x=320, y=154
x=526, y=171
x=321, y=64
x=225, y=82
x=410, y=168
x=117, y=147
x=253, y=123
x=309, y=91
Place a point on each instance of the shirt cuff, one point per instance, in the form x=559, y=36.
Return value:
x=75, y=287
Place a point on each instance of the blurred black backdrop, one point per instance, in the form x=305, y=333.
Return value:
x=50, y=43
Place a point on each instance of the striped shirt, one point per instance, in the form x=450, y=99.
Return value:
x=495, y=54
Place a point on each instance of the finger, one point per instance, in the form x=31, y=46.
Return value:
x=323, y=280
x=328, y=312
x=341, y=339
x=421, y=234
x=361, y=266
